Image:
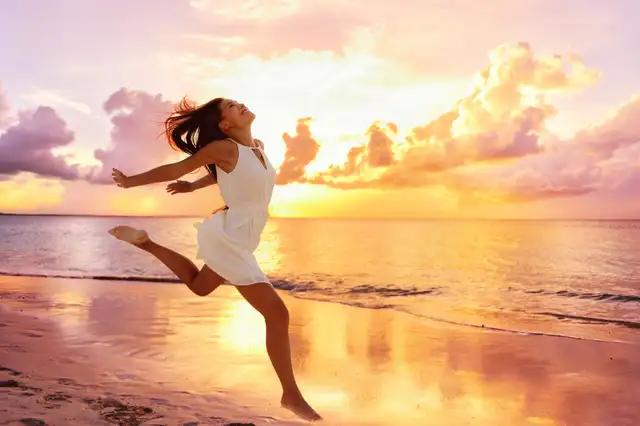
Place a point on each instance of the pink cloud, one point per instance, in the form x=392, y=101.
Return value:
x=27, y=145
x=602, y=157
x=271, y=29
x=618, y=131
x=503, y=118
x=492, y=143
x=551, y=174
x=605, y=158
x=4, y=107
x=137, y=138
x=419, y=40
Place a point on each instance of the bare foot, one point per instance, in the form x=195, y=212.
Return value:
x=298, y=406
x=137, y=237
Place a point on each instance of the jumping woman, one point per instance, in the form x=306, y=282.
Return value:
x=217, y=135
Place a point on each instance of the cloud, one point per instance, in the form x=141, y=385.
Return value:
x=408, y=36
x=552, y=174
x=490, y=140
x=27, y=145
x=301, y=151
x=248, y=10
x=492, y=145
x=4, y=107
x=380, y=148
x=618, y=131
x=377, y=153
x=273, y=27
x=137, y=118
x=600, y=158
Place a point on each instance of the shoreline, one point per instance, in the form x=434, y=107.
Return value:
x=283, y=286
x=204, y=357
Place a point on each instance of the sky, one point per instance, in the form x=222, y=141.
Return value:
x=370, y=109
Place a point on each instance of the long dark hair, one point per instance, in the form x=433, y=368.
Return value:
x=191, y=127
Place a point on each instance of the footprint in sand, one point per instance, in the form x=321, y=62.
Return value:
x=54, y=400
x=114, y=411
x=28, y=390
x=126, y=377
x=32, y=422
x=11, y=371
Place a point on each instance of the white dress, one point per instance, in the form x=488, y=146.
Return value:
x=228, y=238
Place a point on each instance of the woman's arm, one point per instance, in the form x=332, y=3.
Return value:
x=203, y=182
x=183, y=187
x=210, y=154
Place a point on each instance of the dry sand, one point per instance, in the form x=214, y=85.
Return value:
x=81, y=352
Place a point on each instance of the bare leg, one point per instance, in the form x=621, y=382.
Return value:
x=266, y=300
x=201, y=282
x=261, y=296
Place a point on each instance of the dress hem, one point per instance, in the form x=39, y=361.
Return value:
x=235, y=284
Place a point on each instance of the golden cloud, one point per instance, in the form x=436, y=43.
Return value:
x=493, y=144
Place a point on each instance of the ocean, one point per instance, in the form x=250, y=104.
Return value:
x=577, y=279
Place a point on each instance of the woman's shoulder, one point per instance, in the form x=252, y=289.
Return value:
x=220, y=147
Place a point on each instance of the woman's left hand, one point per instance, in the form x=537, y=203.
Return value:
x=119, y=178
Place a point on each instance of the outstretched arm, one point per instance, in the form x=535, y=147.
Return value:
x=203, y=182
x=183, y=187
x=210, y=154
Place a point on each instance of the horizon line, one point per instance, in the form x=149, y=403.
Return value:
x=592, y=219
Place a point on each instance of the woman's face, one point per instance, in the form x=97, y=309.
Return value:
x=235, y=115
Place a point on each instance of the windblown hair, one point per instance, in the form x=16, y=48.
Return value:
x=191, y=127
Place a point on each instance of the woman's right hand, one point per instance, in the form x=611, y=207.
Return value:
x=179, y=187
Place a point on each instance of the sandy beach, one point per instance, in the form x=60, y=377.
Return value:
x=89, y=352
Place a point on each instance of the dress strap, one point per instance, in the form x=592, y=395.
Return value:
x=258, y=147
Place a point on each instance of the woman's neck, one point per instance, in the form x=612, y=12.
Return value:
x=242, y=136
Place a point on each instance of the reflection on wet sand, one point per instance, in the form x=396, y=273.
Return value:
x=363, y=366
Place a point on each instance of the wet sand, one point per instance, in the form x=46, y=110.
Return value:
x=84, y=352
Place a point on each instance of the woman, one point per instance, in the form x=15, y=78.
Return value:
x=217, y=135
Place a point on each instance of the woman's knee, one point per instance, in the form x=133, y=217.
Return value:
x=205, y=282
x=276, y=312
x=264, y=298
x=201, y=291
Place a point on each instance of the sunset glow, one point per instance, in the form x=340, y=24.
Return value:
x=524, y=109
